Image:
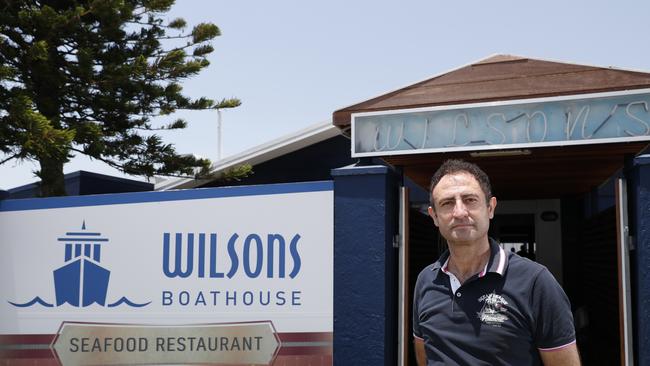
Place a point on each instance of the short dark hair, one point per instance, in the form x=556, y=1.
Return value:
x=452, y=166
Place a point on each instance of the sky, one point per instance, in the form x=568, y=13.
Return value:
x=292, y=63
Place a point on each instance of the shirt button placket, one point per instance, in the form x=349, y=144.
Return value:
x=457, y=296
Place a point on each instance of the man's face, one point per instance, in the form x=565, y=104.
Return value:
x=460, y=210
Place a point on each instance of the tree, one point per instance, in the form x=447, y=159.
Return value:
x=87, y=77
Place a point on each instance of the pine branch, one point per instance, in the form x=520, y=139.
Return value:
x=14, y=156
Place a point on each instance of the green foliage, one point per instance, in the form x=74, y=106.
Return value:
x=33, y=132
x=178, y=23
x=87, y=76
x=204, y=31
x=235, y=173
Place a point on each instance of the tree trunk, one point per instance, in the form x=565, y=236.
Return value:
x=52, y=182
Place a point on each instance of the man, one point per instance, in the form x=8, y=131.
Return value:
x=478, y=304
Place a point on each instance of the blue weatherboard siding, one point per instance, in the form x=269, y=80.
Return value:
x=82, y=183
x=365, y=266
x=640, y=203
x=142, y=197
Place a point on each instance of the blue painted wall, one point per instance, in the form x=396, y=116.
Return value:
x=365, y=266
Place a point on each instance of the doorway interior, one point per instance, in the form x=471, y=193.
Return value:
x=566, y=221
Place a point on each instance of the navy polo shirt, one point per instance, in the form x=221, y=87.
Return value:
x=504, y=315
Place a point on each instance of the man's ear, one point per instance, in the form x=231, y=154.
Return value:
x=433, y=215
x=492, y=206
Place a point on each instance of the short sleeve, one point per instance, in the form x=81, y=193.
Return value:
x=554, y=326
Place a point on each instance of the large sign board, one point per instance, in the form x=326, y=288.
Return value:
x=240, y=275
x=567, y=120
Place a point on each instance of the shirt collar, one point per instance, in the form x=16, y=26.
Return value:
x=446, y=270
x=497, y=263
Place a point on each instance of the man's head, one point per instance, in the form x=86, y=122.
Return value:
x=454, y=166
x=461, y=202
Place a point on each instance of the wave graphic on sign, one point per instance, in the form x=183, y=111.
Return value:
x=128, y=302
x=36, y=300
x=81, y=281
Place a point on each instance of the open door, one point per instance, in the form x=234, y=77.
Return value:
x=404, y=307
x=624, y=287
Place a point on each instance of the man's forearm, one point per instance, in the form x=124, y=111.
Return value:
x=420, y=353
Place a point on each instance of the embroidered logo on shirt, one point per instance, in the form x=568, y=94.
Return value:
x=494, y=311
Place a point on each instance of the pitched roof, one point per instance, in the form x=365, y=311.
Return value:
x=500, y=77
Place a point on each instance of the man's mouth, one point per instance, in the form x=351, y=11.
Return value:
x=462, y=226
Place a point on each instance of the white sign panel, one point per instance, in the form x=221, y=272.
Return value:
x=205, y=256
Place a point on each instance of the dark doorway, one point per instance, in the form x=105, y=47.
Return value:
x=516, y=233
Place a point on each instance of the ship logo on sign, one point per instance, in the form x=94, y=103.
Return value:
x=82, y=280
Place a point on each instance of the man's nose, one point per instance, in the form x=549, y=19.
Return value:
x=460, y=210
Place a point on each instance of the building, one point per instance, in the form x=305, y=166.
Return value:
x=564, y=145
x=306, y=155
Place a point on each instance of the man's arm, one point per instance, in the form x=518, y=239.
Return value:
x=420, y=353
x=566, y=356
x=555, y=335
